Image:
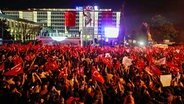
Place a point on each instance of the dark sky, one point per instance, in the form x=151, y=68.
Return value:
x=139, y=10
x=136, y=10
x=72, y=3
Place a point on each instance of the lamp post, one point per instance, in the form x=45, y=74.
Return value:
x=2, y=30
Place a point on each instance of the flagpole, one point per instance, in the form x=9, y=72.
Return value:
x=93, y=37
x=81, y=33
x=32, y=63
x=122, y=24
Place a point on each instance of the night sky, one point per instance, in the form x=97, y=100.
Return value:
x=135, y=10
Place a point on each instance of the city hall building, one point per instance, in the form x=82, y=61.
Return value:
x=89, y=21
x=20, y=30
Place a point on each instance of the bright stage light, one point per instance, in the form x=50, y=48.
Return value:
x=111, y=32
x=58, y=38
x=134, y=41
x=106, y=39
x=95, y=7
x=79, y=8
x=141, y=43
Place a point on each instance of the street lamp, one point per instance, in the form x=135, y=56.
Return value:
x=2, y=29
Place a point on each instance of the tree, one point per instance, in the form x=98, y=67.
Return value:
x=162, y=29
x=4, y=33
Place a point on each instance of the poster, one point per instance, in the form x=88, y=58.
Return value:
x=166, y=80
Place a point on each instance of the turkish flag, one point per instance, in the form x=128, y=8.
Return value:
x=70, y=100
x=63, y=72
x=107, y=18
x=70, y=18
x=155, y=70
x=21, y=48
x=140, y=64
x=117, y=65
x=161, y=61
x=97, y=76
x=52, y=65
x=29, y=57
x=17, y=59
x=17, y=69
x=173, y=67
x=148, y=70
x=108, y=62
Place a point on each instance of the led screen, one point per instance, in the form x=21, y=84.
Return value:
x=111, y=32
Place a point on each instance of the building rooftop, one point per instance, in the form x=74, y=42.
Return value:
x=17, y=19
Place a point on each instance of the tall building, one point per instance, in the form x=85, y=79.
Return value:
x=56, y=20
x=14, y=29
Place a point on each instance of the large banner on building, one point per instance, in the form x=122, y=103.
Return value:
x=70, y=18
x=89, y=15
x=107, y=18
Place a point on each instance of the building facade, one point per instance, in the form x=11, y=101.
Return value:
x=55, y=19
x=20, y=30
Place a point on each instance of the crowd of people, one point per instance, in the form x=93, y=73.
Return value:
x=64, y=74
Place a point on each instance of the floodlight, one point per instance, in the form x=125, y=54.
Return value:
x=95, y=7
x=134, y=41
x=141, y=43
x=106, y=39
x=111, y=32
x=58, y=38
x=77, y=8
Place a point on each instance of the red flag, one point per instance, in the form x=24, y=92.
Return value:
x=107, y=18
x=134, y=57
x=52, y=65
x=70, y=18
x=17, y=69
x=178, y=57
x=173, y=68
x=17, y=59
x=97, y=76
x=108, y=62
x=99, y=58
x=140, y=64
x=69, y=64
x=2, y=66
x=149, y=56
x=63, y=72
x=117, y=65
x=70, y=99
x=155, y=70
x=21, y=48
x=148, y=70
x=30, y=44
x=29, y=57
x=80, y=71
x=161, y=61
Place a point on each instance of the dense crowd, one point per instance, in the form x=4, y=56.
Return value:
x=64, y=74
